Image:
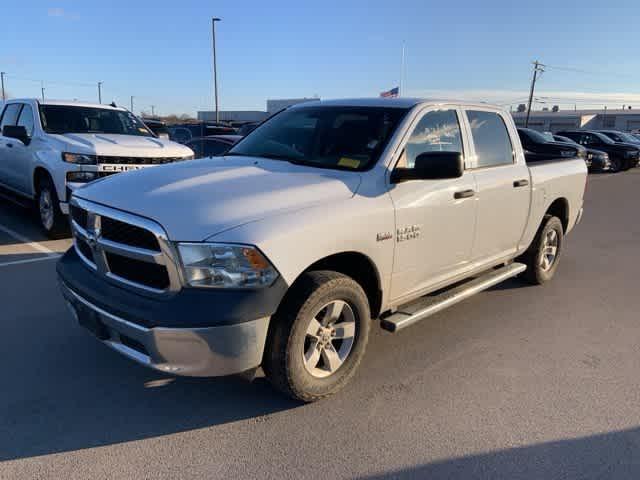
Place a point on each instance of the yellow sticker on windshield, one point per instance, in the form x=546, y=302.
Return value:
x=348, y=162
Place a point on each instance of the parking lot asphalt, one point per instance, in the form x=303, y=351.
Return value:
x=518, y=382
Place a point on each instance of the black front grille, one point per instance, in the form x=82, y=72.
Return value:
x=85, y=250
x=144, y=273
x=79, y=215
x=137, y=160
x=121, y=232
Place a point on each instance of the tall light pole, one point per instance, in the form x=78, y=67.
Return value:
x=42, y=90
x=215, y=67
x=2, y=74
x=131, y=104
x=153, y=110
x=99, y=92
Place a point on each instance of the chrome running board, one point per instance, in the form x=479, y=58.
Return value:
x=428, y=305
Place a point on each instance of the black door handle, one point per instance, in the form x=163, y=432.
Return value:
x=10, y=145
x=520, y=183
x=464, y=194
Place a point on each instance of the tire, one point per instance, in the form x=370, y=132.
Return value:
x=540, y=267
x=295, y=344
x=615, y=165
x=51, y=219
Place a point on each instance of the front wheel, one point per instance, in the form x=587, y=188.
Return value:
x=52, y=221
x=318, y=337
x=615, y=165
x=544, y=253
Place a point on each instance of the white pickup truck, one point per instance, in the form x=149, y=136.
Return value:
x=49, y=148
x=328, y=215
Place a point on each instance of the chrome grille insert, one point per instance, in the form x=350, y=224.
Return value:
x=131, y=250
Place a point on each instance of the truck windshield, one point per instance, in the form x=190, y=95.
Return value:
x=345, y=138
x=72, y=119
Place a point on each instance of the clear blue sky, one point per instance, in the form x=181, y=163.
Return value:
x=160, y=51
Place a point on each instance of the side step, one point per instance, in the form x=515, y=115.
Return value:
x=426, y=306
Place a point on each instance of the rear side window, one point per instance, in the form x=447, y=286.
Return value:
x=10, y=115
x=491, y=139
x=437, y=131
x=26, y=119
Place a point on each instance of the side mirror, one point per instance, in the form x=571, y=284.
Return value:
x=17, y=132
x=431, y=166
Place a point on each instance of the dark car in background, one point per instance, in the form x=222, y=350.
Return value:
x=212, y=146
x=158, y=127
x=597, y=160
x=621, y=137
x=182, y=133
x=623, y=156
x=539, y=147
x=247, y=128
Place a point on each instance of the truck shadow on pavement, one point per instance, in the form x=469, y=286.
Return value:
x=607, y=455
x=69, y=392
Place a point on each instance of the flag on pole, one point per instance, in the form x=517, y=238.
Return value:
x=393, y=93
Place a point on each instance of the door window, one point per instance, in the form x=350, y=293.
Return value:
x=10, y=115
x=491, y=139
x=437, y=131
x=26, y=119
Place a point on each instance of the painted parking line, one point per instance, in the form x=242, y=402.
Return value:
x=21, y=238
x=31, y=260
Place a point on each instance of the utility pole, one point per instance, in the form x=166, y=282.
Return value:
x=215, y=67
x=537, y=67
x=131, y=110
x=153, y=110
x=99, y=92
x=42, y=90
x=2, y=74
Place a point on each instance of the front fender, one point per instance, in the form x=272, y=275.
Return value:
x=296, y=240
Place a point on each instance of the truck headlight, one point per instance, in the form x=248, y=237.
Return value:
x=219, y=265
x=79, y=159
x=631, y=154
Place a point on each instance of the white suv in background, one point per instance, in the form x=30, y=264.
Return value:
x=49, y=148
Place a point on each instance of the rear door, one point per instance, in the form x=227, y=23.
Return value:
x=503, y=186
x=434, y=229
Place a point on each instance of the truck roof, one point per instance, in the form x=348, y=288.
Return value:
x=73, y=103
x=398, y=102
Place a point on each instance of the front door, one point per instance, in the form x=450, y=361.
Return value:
x=434, y=230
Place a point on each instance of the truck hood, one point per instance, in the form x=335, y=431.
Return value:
x=196, y=199
x=120, y=145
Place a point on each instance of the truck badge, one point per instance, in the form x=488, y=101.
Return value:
x=408, y=233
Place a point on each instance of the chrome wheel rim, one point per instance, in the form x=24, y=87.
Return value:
x=329, y=339
x=549, y=250
x=46, y=209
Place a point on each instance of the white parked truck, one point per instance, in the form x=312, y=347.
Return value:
x=328, y=215
x=49, y=148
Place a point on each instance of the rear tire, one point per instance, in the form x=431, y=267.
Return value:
x=543, y=254
x=318, y=336
x=51, y=219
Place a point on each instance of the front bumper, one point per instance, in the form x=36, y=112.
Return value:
x=197, y=352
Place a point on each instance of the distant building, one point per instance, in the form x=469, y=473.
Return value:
x=273, y=106
x=276, y=105
x=625, y=120
x=233, y=116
